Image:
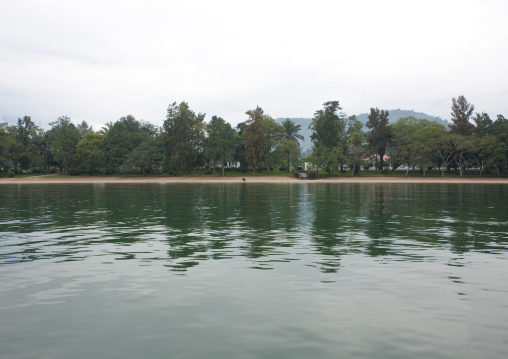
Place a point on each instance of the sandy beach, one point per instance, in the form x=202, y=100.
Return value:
x=248, y=179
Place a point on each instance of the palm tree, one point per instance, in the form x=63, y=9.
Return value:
x=290, y=136
x=106, y=128
x=356, y=139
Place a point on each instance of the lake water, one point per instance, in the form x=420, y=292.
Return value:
x=250, y=270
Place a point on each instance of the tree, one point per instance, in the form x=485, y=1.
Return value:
x=7, y=145
x=221, y=142
x=140, y=159
x=90, y=151
x=117, y=145
x=272, y=133
x=483, y=124
x=328, y=126
x=184, y=135
x=63, y=140
x=447, y=145
x=83, y=128
x=25, y=151
x=290, y=145
x=461, y=112
x=380, y=132
x=355, y=139
x=254, y=139
x=414, y=142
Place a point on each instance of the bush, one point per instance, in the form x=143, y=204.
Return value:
x=312, y=174
x=282, y=169
x=73, y=172
x=10, y=174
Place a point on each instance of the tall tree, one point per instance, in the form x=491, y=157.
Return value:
x=254, y=139
x=380, y=132
x=117, y=145
x=26, y=152
x=90, y=151
x=290, y=136
x=328, y=126
x=483, y=124
x=414, y=142
x=184, y=134
x=7, y=146
x=221, y=142
x=461, y=113
x=355, y=138
x=63, y=140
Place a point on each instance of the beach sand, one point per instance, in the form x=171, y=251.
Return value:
x=248, y=179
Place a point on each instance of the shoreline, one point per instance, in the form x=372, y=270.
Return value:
x=248, y=179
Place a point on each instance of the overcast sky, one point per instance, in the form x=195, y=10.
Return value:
x=100, y=60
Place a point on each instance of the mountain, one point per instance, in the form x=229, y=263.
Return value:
x=393, y=116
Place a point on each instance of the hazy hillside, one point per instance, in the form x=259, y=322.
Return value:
x=393, y=116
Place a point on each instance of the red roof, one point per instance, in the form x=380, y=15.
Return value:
x=385, y=157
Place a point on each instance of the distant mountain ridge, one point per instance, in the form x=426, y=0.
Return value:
x=393, y=116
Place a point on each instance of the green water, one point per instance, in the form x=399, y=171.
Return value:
x=254, y=271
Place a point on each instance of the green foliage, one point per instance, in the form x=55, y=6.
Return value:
x=117, y=145
x=140, y=159
x=183, y=136
x=483, y=124
x=415, y=142
x=289, y=145
x=329, y=137
x=461, y=112
x=380, y=132
x=90, y=152
x=260, y=135
x=64, y=137
x=222, y=141
x=24, y=149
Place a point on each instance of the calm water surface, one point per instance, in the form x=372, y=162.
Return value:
x=254, y=271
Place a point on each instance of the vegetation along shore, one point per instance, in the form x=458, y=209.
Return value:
x=185, y=144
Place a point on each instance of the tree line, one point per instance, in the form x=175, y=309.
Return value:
x=185, y=142
x=470, y=141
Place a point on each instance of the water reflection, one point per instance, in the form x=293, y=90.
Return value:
x=181, y=226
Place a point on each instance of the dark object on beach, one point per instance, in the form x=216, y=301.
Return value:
x=243, y=179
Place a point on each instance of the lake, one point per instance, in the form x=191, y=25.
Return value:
x=245, y=270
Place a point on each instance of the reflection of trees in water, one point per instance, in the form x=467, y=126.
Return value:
x=185, y=225
x=268, y=212
x=226, y=220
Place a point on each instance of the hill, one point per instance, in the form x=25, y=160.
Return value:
x=394, y=115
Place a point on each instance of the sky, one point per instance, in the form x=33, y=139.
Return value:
x=97, y=61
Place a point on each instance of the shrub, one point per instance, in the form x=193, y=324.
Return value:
x=312, y=174
x=10, y=174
